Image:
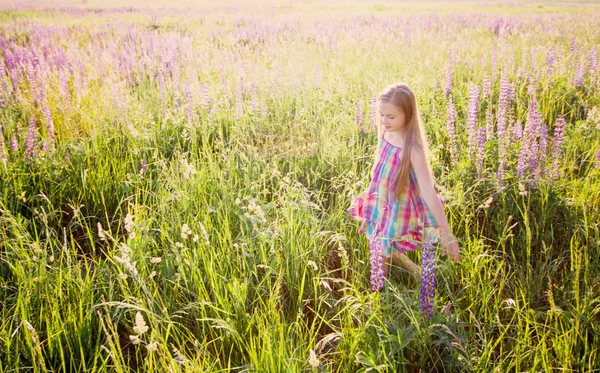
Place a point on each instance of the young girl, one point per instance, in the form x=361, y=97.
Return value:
x=401, y=203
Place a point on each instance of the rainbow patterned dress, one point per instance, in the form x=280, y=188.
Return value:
x=401, y=223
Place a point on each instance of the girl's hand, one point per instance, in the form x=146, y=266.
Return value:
x=450, y=247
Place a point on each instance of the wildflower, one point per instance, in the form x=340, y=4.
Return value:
x=312, y=360
x=472, y=118
x=156, y=260
x=253, y=98
x=359, y=115
x=152, y=346
x=185, y=231
x=597, y=159
x=503, y=103
x=188, y=169
x=129, y=225
x=480, y=151
x=152, y=274
x=14, y=144
x=140, y=325
x=543, y=149
x=448, y=86
x=376, y=247
x=3, y=156
x=522, y=190
x=373, y=111
x=427, y=280
x=135, y=339
x=144, y=166
x=31, y=149
x=450, y=128
x=487, y=90
x=204, y=234
x=101, y=234
x=49, y=127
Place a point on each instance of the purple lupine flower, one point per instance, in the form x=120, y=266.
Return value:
x=11, y=65
x=205, y=96
x=3, y=156
x=49, y=127
x=450, y=128
x=557, y=141
x=373, y=112
x=253, y=98
x=31, y=148
x=480, y=151
x=144, y=166
x=376, y=249
x=448, y=85
x=3, y=81
x=162, y=89
x=358, y=118
x=518, y=130
x=428, y=280
x=543, y=150
x=31, y=78
x=487, y=89
x=14, y=144
x=593, y=61
x=597, y=159
x=188, y=97
x=489, y=124
x=472, y=119
x=528, y=154
x=64, y=84
x=503, y=105
x=579, y=75
x=239, y=108
x=550, y=57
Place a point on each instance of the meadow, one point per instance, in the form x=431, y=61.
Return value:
x=174, y=184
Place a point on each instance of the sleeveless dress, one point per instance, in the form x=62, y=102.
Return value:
x=402, y=223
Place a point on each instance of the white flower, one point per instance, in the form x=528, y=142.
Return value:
x=122, y=276
x=195, y=239
x=205, y=234
x=188, y=169
x=101, y=232
x=129, y=224
x=185, y=231
x=312, y=360
x=179, y=244
x=313, y=265
x=135, y=339
x=140, y=325
x=156, y=260
x=152, y=274
x=152, y=346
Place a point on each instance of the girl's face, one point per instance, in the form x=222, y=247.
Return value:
x=392, y=118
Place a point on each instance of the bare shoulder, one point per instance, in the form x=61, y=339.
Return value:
x=417, y=156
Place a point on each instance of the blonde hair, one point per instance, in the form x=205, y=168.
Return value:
x=403, y=98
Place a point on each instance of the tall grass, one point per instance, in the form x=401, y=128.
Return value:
x=190, y=213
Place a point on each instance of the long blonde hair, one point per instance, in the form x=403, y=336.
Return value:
x=403, y=98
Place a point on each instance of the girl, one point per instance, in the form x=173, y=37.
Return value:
x=401, y=203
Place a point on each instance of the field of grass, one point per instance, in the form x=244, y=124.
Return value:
x=174, y=182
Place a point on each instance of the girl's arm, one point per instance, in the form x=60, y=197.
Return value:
x=419, y=163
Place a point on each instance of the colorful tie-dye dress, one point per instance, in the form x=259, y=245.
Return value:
x=402, y=223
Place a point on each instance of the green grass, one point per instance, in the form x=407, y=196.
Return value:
x=281, y=269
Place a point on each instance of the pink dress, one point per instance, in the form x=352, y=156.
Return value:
x=402, y=223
